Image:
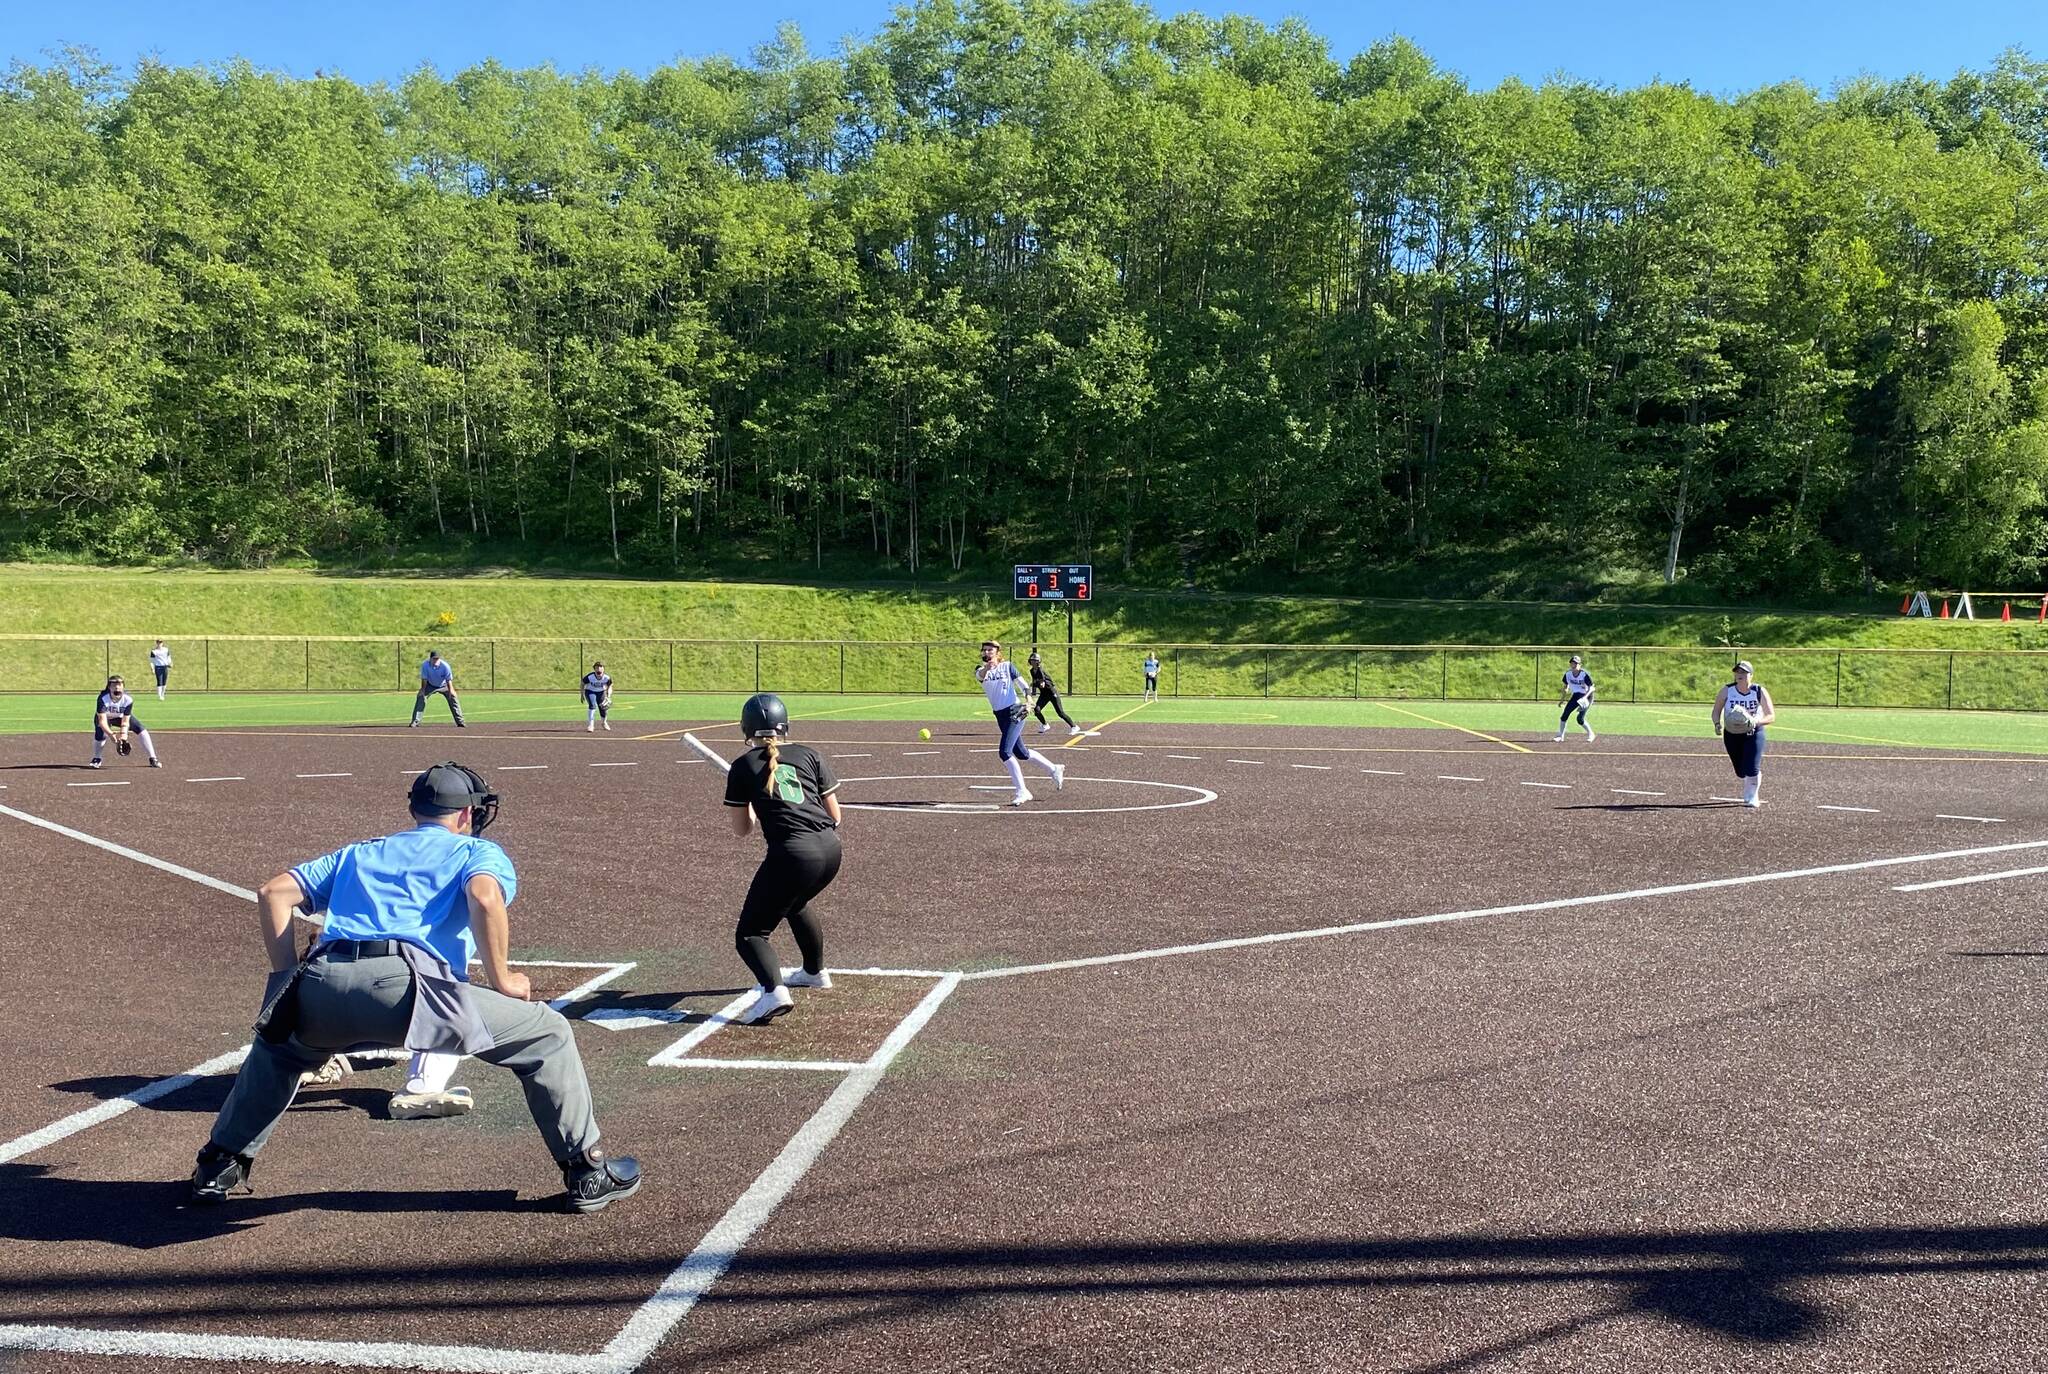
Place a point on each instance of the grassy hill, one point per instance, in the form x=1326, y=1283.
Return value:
x=50, y=600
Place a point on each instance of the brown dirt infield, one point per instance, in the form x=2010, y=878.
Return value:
x=1783, y=1124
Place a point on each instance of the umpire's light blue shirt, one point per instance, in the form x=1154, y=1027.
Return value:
x=407, y=886
x=435, y=673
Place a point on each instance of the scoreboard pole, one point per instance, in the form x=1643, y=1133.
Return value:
x=1070, y=649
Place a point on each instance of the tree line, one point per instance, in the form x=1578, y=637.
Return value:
x=1023, y=279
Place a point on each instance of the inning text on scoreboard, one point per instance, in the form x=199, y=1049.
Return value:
x=1054, y=581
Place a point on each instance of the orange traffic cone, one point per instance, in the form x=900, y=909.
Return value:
x=1906, y=606
x=2006, y=614
x=1944, y=608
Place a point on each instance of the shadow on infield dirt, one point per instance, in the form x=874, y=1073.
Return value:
x=148, y=1215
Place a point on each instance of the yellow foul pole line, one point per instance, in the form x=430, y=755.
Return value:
x=1480, y=734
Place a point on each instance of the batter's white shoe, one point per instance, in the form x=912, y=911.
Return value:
x=1589, y=737
x=797, y=978
x=772, y=1002
x=1059, y=777
x=1020, y=799
x=1557, y=738
x=1074, y=730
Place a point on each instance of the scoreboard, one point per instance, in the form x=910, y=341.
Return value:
x=1053, y=581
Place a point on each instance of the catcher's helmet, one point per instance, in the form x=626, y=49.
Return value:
x=1034, y=657
x=764, y=714
x=449, y=787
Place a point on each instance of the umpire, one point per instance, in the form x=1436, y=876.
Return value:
x=405, y=914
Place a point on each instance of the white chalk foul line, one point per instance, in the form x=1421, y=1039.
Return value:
x=691, y=1279
x=1973, y=878
x=1633, y=792
x=1319, y=767
x=806, y=1065
x=917, y=753
x=1385, y=772
x=632, y=764
x=96, y=784
x=1984, y=820
x=125, y=852
x=521, y=767
x=1189, y=758
x=1257, y=763
x=1519, y=908
x=323, y=775
x=233, y=779
x=165, y=1345
x=1871, y=809
x=1562, y=786
x=1457, y=777
x=108, y=1110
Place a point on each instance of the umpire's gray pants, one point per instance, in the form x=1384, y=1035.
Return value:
x=419, y=701
x=355, y=1004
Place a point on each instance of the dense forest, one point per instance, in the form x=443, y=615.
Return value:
x=1030, y=278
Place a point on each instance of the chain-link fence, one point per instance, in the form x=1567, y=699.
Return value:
x=1960, y=679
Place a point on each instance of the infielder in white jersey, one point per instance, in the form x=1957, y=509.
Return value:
x=113, y=717
x=1578, y=696
x=1005, y=688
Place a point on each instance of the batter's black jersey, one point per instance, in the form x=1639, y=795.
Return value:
x=1041, y=680
x=795, y=806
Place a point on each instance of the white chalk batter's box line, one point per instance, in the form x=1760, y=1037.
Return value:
x=679, y=1056
x=652, y=1323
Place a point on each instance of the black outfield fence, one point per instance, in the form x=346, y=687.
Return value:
x=1957, y=679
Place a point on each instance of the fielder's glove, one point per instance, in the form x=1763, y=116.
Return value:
x=122, y=746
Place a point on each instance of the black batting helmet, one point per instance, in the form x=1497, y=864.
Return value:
x=764, y=714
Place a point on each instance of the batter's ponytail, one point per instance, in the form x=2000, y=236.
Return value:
x=774, y=749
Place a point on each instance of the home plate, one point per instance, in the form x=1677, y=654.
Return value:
x=618, y=1018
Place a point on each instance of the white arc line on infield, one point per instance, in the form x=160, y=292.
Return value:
x=1190, y=758
x=1456, y=777
x=1319, y=767
x=1257, y=762
x=520, y=767
x=95, y=784
x=1385, y=772
x=237, y=778
x=1633, y=792
x=1519, y=908
x=811, y=1065
x=1871, y=809
x=1973, y=878
x=1562, y=786
x=1985, y=820
x=632, y=764
x=864, y=756
x=916, y=753
x=323, y=775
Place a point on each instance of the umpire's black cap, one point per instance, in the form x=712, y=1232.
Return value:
x=446, y=788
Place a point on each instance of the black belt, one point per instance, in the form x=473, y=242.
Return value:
x=359, y=949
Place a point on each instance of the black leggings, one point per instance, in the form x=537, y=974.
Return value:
x=793, y=873
x=1050, y=698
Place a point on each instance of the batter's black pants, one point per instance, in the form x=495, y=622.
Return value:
x=794, y=872
x=1048, y=697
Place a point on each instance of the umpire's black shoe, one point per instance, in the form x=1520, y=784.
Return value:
x=596, y=1180
x=219, y=1173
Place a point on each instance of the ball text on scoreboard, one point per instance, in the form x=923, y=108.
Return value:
x=1054, y=581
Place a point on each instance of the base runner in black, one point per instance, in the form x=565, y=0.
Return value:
x=792, y=792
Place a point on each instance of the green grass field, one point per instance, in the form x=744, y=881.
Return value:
x=1523, y=724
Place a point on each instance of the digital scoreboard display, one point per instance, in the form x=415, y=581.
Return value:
x=1054, y=581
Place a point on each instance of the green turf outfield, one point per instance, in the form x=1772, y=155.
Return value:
x=1520, y=723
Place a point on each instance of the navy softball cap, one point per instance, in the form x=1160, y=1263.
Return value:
x=447, y=787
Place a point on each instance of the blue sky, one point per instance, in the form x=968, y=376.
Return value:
x=1724, y=47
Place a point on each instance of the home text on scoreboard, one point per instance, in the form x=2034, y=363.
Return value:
x=1054, y=581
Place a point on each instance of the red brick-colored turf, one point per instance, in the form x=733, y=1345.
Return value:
x=1792, y=1124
